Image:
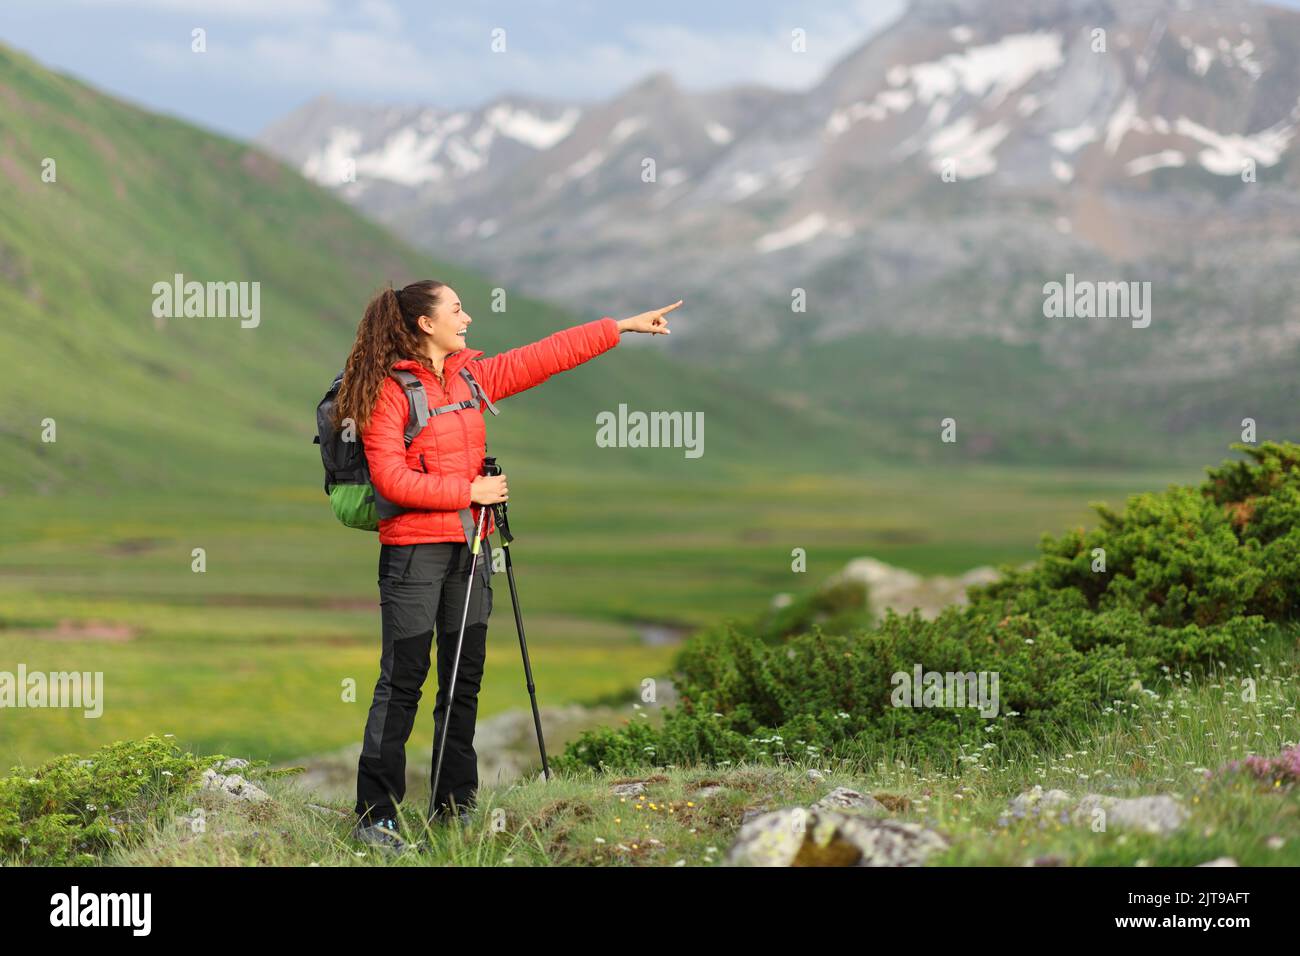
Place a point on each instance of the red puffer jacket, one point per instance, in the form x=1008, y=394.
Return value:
x=433, y=475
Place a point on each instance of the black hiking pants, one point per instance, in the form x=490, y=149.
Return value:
x=422, y=589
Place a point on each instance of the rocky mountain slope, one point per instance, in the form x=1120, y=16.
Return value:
x=928, y=187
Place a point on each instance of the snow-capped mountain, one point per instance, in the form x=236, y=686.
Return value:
x=931, y=182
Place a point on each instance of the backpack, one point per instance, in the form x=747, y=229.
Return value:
x=353, y=498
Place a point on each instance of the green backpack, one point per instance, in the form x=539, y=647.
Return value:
x=353, y=498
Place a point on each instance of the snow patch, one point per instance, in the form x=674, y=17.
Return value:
x=406, y=157
x=1069, y=140
x=465, y=158
x=805, y=230
x=970, y=149
x=743, y=185
x=626, y=127
x=328, y=164
x=1242, y=54
x=886, y=102
x=1124, y=118
x=1226, y=153
x=577, y=169
x=1200, y=59
x=529, y=128
x=586, y=164
x=718, y=133
x=994, y=69
x=1168, y=158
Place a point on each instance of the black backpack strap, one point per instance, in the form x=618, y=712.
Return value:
x=417, y=399
x=476, y=390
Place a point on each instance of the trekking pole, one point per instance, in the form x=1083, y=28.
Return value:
x=503, y=525
x=455, y=664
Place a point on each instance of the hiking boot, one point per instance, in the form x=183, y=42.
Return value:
x=444, y=816
x=380, y=833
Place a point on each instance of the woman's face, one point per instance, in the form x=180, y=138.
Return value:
x=447, y=325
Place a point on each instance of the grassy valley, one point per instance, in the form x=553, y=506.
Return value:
x=182, y=433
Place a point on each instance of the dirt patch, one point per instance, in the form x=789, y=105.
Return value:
x=70, y=629
x=130, y=546
x=552, y=812
x=707, y=782
x=893, y=802
x=654, y=778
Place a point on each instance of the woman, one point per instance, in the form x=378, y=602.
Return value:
x=424, y=554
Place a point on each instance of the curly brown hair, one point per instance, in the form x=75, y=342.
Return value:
x=388, y=333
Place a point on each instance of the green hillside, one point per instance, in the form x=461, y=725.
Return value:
x=190, y=403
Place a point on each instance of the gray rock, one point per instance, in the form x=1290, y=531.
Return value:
x=816, y=776
x=1159, y=814
x=842, y=798
x=634, y=789
x=709, y=791
x=798, y=837
x=1038, y=798
x=232, y=763
x=1220, y=861
x=892, y=588
x=233, y=786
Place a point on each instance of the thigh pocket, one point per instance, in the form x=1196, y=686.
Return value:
x=415, y=563
x=395, y=561
x=407, y=608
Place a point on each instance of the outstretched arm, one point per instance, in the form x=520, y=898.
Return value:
x=518, y=369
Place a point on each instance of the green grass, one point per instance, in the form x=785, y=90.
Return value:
x=250, y=655
x=1165, y=746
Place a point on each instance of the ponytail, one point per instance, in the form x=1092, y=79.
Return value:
x=389, y=332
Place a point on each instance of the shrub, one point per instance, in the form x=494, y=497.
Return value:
x=71, y=810
x=1193, y=579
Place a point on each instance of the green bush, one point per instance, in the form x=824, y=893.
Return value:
x=840, y=607
x=1185, y=579
x=71, y=810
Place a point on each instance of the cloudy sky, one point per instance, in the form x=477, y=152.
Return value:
x=265, y=57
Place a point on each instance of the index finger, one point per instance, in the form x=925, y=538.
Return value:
x=669, y=308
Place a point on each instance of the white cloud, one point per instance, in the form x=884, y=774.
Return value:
x=208, y=10
x=365, y=50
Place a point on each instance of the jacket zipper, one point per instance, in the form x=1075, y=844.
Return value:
x=464, y=433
